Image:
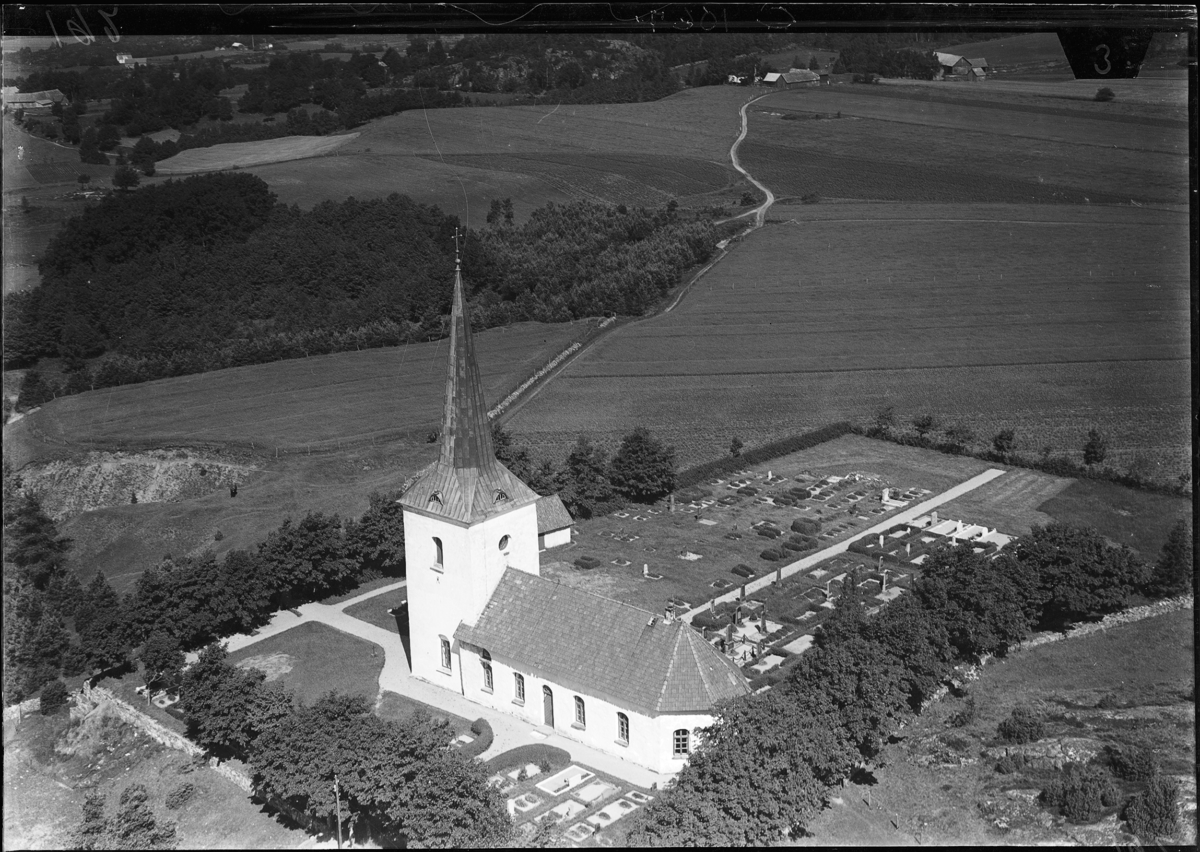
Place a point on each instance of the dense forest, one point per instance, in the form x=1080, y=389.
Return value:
x=210, y=272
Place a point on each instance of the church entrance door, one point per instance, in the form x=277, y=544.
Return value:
x=548, y=706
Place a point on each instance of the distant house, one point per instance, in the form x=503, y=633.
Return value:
x=553, y=521
x=978, y=70
x=771, y=79
x=953, y=64
x=735, y=80
x=800, y=77
x=127, y=60
x=34, y=103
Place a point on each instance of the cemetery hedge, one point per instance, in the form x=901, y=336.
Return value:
x=758, y=455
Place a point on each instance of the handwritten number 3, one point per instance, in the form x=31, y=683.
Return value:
x=1107, y=65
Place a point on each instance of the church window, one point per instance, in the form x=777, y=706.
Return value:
x=622, y=729
x=580, y=714
x=445, y=653
x=437, y=559
x=487, y=677
x=435, y=498
x=679, y=743
x=503, y=542
x=518, y=688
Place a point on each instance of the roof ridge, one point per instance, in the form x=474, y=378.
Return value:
x=666, y=678
x=585, y=592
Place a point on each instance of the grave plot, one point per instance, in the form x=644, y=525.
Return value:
x=563, y=781
x=611, y=813
x=594, y=791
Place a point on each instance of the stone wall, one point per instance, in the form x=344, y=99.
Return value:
x=91, y=696
x=1136, y=613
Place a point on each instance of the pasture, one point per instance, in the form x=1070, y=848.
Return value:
x=305, y=404
x=240, y=155
x=1024, y=49
x=461, y=159
x=1047, y=320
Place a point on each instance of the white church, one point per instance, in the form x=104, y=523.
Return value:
x=483, y=622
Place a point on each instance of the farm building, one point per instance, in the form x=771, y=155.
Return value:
x=485, y=624
x=771, y=79
x=800, y=77
x=953, y=64
x=127, y=60
x=35, y=103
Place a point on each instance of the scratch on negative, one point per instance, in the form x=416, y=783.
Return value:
x=547, y=115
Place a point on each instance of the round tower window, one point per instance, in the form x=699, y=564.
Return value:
x=503, y=542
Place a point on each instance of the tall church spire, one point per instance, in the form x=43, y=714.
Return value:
x=467, y=482
x=466, y=430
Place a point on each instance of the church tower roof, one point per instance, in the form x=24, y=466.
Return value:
x=467, y=483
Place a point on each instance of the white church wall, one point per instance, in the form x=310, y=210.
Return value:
x=650, y=738
x=556, y=538
x=472, y=561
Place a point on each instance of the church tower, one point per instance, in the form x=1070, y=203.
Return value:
x=466, y=518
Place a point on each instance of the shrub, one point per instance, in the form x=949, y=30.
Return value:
x=1105, y=94
x=1132, y=764
x=806, y=526
x=1010, y=764
x=547, y=757
x=483, y=739
x=54, y=696
x=587, y=563
x=771, y=555
x=1108, y=701
x=1023, y=726
x=1154, y=813
x=792, y=546
x=965, y=716
x=180, y=796
x=1081, y=792
x=743, y=570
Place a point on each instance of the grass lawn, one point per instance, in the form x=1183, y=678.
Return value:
x=242, y=155
x=1012, y=503
x=376, y=610
x=663, y=537
x=396, y=708
x=1135, y=518
x=312, y=659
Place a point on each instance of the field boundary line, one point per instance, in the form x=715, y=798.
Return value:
x=841, y=547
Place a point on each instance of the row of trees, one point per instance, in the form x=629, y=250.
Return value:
x=642, y=470
x=874, y=53
x=338, y=757
x=55, y=627
x=763, y=770
x=927, y=430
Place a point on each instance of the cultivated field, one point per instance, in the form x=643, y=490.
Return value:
x=1013, y=50
x=240, y=155
x=1048, y=320
x=461, y=159
x=987, y=151
x=313, y=403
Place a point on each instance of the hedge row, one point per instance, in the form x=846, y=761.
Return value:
x=549, y=758
x=482, y=730
x=765, y=453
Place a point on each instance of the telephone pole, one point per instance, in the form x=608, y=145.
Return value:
x=338, y=798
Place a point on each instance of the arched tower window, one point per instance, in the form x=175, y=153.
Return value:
x=622, y=729
x=580, y=713
x=437, y=557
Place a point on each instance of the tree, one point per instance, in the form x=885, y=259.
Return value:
x=1004, y=441
x=309, y=559
x=377, y=539
x=1104, y=94
x=226, y=707
x=813, y=64
x=735, y=447
x=642, y=469
x=162, y=662
x=397, y=775
x=1079, y=575
x=126, y=178
x=35, y=390
x=885, y=420
x=1175, y=571
x=84, y=179
x=135, y=826
x=32, y=543
x=1096, y=448
x=587, y=479
x=54, y=696
x=924, y=424
x=959, y=436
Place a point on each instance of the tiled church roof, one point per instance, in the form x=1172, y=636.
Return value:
x=552, y=514
x=601, y=647
x=467, y=483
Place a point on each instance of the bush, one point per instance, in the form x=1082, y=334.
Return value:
x=1154, y=813
x=1105, y=94
x=1023, y=726
x=54, y=697
x=181, y=795
x=806, y=526
x=965, y=716
x=792, y=546
x=483, y=739
x=587, y=563
x=743, y=570
x=771, y=555
x=547, y=757
x=1132, y=764
x=1081, y=792
x=1010, y=764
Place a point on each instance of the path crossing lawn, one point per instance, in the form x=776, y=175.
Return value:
x=377, y=610
x=312, y=659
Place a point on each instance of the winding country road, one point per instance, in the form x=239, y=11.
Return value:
x=760, y=212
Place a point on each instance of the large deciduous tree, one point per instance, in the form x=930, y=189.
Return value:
x=226, y=707
x=587, y=487
x=643, y=469
x=308, y=558
x=376, y=540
